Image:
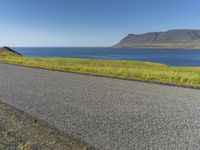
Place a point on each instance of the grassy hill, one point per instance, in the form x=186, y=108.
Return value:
x=6, y=51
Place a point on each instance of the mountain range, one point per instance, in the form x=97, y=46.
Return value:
x=178, y=38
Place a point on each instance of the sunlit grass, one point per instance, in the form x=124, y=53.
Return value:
x=144, y=71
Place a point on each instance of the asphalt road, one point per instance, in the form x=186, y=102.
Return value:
x=110, y=114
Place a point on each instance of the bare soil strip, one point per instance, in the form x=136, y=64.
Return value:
x=20, y=131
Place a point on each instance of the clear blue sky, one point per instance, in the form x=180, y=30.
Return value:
x=90, y=22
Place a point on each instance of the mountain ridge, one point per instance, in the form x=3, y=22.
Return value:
x=176, y=38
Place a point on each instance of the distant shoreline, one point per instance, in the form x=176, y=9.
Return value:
x=170, y=47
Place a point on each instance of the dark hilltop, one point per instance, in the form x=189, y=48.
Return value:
x=5, y=50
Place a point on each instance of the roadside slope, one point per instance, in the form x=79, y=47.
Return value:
x=20, y=131
x=132, y=70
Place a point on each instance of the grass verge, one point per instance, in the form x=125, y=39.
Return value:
x=134, y=70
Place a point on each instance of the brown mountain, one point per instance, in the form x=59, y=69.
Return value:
x=180, y=38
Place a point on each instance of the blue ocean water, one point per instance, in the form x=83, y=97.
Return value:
x=174, y=57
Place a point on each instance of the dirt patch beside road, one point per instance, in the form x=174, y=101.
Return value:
x=20, y=131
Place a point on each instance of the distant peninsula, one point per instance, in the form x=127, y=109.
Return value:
x=178, y=38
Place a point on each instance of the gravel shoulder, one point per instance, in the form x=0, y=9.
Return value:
x=20, y=131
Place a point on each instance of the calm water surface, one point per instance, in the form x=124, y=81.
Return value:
x=175, y=57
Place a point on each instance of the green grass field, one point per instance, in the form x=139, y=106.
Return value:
x=134, y=70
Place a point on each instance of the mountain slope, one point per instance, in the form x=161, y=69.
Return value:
x=182, y=38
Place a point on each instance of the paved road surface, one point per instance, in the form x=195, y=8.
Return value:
x=109, y=113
